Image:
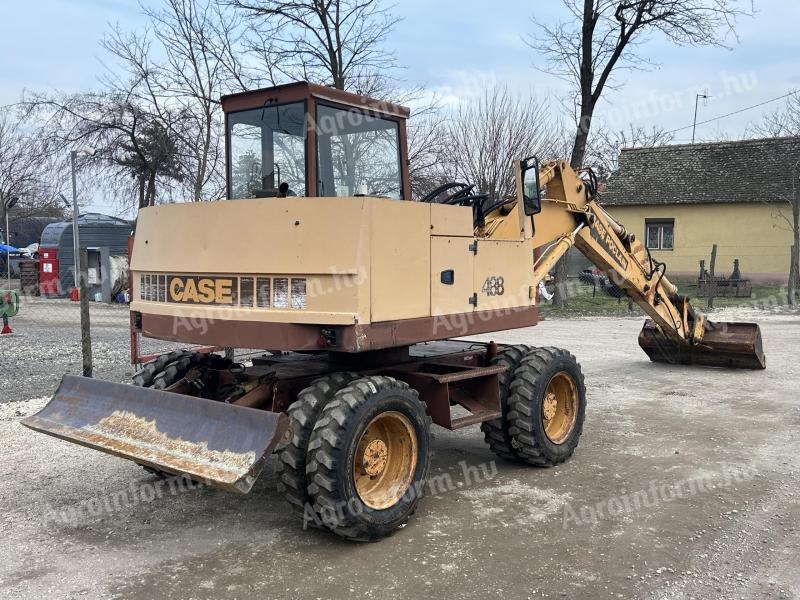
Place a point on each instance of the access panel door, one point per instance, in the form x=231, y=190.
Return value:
x=503, y=275
x=452, y=264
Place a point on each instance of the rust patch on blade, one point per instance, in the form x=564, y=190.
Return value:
x=126, y=433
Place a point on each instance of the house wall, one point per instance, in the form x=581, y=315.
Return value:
x=755, y=233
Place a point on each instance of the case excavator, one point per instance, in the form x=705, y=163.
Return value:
x=347, y=302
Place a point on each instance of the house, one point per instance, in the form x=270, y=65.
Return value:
x=682, y=199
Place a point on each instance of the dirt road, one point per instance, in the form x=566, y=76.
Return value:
x=685, y=485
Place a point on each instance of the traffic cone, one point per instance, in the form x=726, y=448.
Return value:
x=6, y=329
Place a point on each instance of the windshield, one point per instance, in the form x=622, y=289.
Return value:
x=267, y=149
x=357, y=154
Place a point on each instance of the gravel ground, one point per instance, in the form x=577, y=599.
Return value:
x=685, y=485
x=46, y=343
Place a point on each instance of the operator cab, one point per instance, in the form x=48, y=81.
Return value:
x=303, y=139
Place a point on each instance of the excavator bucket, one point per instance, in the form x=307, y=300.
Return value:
x=212, y=442
x=734, y=345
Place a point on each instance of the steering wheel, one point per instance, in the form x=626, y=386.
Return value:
x=461, y=190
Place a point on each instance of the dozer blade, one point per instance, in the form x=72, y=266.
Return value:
x=734, y=345
x=211, y=442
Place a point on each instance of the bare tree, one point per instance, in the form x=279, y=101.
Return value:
x=28, y=171
x=181, y=66
x=792, y=224
x=781, y=122
x=785, y=122
x=333, y=42
x=484, y=137
x=133, y=145
x=156, y=118
x=426, y=152
x=601, y=37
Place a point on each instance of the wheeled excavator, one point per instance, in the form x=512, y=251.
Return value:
x=318, y=311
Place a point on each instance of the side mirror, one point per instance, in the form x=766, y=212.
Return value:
x=531, y=190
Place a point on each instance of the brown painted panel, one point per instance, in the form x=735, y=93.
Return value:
x=353, y=338
x=302, y=90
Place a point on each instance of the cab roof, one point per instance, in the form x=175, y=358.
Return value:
x=304, y=90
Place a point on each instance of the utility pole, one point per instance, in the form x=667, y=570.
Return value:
x=81, y=267
x=10, y=203
x=76, y=241
x=794, y=267
x=704, y=96
x=86, y=330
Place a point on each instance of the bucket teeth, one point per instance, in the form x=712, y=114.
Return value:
x=733, y=345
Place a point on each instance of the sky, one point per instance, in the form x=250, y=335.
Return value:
x=456, y=48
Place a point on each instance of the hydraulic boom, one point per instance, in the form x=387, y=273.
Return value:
x=569, y=214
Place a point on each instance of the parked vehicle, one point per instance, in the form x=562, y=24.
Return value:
x=357, y=301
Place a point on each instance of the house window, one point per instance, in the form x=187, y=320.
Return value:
x=660, y=234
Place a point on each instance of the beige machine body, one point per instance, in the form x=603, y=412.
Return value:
x=347, y=269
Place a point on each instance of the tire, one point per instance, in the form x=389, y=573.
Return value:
x=145, y=376
x=495, y=433
x=393, y=490
x=303, y=415
x=528, y=404
x=174, y=371
x=162, y=372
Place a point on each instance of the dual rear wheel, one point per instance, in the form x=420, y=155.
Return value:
x=543, y=400
x=359, y=456
x=360, y=452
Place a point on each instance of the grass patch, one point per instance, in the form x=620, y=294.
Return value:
x=582, y=303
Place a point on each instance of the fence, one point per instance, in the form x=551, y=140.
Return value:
x=47, y=340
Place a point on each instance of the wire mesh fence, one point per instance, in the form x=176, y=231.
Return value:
x=45, y=343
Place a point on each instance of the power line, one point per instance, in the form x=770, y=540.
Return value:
x=736, y=112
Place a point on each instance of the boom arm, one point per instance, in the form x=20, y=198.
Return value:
x=608, y=245
x=570, y=215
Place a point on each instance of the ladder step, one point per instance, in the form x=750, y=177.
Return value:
x=478, y=417
x=464, y=374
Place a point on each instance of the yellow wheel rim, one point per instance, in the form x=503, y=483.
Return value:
x=385, y=460
x=560, y=407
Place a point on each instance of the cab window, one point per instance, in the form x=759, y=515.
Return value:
x=267, y=148
x=357, y=154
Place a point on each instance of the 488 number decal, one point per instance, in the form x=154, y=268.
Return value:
x=494, y=286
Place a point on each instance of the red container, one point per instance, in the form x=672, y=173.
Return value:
x=49, y=282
